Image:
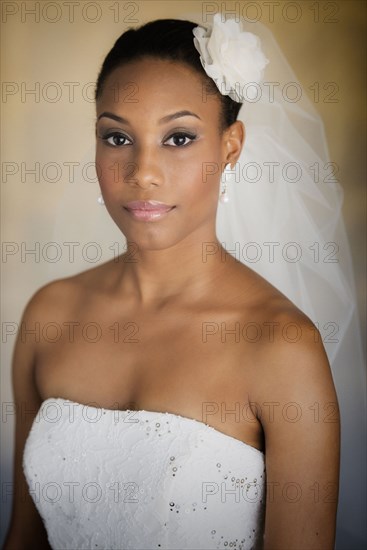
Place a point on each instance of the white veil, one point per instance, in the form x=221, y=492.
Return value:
x=283, y=191
x=283, y=220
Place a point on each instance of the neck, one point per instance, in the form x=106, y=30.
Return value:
x=154, y=277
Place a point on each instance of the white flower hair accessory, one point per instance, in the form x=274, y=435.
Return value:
x=231, y=57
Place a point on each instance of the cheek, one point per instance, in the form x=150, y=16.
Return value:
x=204, y=180
x=103, y=169
x=199, y=176
x=112, y=169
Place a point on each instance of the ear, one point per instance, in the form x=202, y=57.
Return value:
x=233, y=141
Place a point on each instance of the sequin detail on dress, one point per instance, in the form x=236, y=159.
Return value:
x=137, y=480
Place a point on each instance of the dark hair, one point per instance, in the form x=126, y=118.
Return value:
x=168, y=39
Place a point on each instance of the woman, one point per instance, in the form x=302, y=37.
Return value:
x=226, y=448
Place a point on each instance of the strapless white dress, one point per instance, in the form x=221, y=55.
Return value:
x=142, y=480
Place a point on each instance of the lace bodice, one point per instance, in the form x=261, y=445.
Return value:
x=107, y=479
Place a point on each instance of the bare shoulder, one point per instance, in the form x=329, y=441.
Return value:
x=290, y=358
x=281, y=321
x=66, y=295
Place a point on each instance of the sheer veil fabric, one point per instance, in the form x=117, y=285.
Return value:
x=284, y=221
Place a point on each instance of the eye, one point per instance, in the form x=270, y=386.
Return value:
x=115, y=139
x=179, y=138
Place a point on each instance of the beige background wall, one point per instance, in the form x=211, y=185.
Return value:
x=326, y=45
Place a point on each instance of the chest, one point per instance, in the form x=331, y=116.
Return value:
x=133, y=357
x=199, y=367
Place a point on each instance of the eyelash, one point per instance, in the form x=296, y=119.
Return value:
x=192, y=138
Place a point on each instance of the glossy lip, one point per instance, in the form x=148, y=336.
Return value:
x=148, y=210
x=148, y=205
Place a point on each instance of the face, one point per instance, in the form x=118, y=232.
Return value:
x=158, y=140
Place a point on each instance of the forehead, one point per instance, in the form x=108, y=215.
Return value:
x=149, y=85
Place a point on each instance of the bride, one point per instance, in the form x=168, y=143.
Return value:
x=179, y=409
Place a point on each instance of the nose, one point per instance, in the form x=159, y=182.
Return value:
x=146, y=168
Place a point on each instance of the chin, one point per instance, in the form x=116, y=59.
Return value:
x=151, y=238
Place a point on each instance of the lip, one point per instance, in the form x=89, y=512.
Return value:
x=148, y=210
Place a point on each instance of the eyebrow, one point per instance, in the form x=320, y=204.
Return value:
x=166, y=118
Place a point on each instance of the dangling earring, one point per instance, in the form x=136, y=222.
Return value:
x=100, y=200
x=224, y=195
